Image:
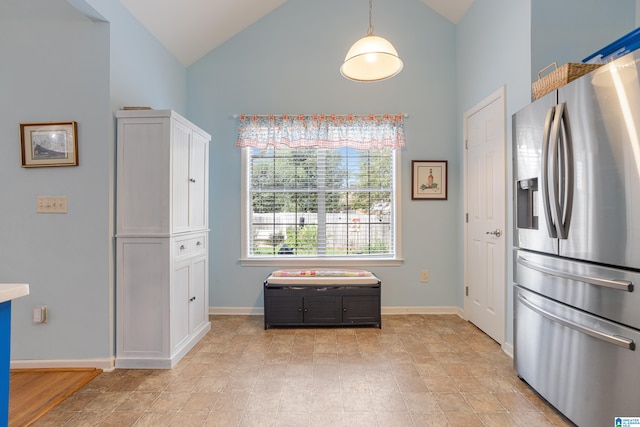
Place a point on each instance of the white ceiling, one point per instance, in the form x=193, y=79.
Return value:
x=191, y=28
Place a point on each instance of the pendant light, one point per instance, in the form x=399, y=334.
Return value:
x=371, y=58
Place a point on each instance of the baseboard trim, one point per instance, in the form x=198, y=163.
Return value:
x=259, y=311
x=507, y=348
x=422, y=310
x=107, y=365
x=236, y=311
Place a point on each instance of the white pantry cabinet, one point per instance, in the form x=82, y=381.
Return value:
x=162, y=174
x=162, y=286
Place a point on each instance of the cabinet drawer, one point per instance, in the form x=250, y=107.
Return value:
x=190, y=246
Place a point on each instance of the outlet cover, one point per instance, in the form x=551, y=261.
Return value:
x=424, y=276
x=40, y=314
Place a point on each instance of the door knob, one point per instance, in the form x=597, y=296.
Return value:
x=497, y=232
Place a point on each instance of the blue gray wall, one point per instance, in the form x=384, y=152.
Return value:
x=55, y=67
x=570, y=30
x=285, y=64
x=502, y=42
x=59, y=65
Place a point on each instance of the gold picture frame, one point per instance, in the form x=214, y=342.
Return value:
x=429, y=180
x=49, y=144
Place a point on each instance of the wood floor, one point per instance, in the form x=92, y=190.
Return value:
x=33, y=392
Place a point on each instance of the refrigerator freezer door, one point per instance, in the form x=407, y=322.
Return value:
x=583, y=365
x=607, y=292
x=604, y=111
x=531, y=127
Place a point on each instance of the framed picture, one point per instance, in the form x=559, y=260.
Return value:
x=49, y=144
x=429, y=180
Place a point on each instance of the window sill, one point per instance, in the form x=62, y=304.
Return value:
x=320, y=262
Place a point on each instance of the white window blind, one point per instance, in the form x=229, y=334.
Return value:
x=316, y=200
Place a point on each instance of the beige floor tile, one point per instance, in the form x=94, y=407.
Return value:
x=224, y=419
x=394, y=419
x=420, y=402
x=452, y=402
x=418, y=370
x=429, y=419
x=292, y=419
x=484, y=402
x=463, y=419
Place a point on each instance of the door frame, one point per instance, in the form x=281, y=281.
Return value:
x=501, y=92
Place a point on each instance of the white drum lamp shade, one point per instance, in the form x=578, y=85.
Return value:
x=370, y=59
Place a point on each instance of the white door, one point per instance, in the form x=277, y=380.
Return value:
x=485, y=239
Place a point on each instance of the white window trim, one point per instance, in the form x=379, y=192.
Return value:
x=245, y=260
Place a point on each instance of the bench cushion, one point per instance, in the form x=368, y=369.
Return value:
x=321, y=277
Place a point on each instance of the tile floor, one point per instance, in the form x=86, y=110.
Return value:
x=418, y=370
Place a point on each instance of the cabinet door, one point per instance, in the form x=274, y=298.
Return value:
x=283, y=309
x=198, y=303
x=180, y=304
x=322, y=309
x=361, y=309
x=198, y=182
x=180, y=151
x=142, y=297
x=142, y=177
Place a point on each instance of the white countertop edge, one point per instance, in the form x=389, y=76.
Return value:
x=9, y=291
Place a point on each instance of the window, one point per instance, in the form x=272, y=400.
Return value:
x=321, y=202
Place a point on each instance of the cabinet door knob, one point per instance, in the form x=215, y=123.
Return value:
x=300, y=310
x=192, y=180
x=344, y=309
x=182, y=247
x=198, y=243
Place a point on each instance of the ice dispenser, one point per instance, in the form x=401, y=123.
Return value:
x=526, y=207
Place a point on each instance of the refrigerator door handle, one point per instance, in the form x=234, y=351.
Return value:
x=620, y=341
x=556, y=157
x=566, y=186
x=551, y=228
x=620, y=285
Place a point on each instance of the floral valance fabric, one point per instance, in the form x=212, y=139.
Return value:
x=363, y=132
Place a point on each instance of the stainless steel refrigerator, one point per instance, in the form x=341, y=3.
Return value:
x=577, y=245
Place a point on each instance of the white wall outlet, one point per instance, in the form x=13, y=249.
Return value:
x=51, y=204
x=424, y=276
x=40, y=314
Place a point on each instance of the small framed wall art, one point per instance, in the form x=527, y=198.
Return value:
x=49, y=144
x=429, y=180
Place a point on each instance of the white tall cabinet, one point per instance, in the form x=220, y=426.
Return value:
x=162, y=289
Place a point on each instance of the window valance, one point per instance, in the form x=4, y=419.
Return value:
x=363, y=132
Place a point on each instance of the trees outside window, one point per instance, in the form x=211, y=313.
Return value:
x=321, y=202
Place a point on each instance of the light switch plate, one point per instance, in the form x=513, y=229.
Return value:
x=51, y=204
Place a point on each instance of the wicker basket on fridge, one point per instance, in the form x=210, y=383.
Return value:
x=559, y=77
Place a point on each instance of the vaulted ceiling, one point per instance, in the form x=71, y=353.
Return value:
x=191, y=28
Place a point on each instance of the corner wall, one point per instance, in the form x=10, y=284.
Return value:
x=56, y=68
x=69, y=60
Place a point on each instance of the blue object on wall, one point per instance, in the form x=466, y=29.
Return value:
x=5, y=357
x=625, y=44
